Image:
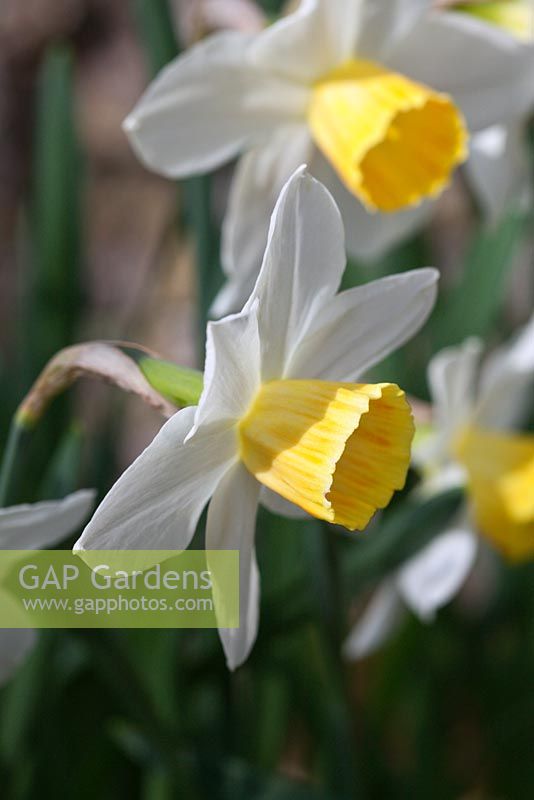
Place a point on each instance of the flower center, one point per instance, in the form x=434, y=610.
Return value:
x=337, y=450
x=500, y=471
x=393, y=142
x=514, y=16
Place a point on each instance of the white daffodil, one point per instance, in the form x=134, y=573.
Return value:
x=375, y=95
x=474, y=445
x=29, y=527
x=279, y=419
x=498, y=169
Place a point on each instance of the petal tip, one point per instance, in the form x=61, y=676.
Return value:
x=131, y=124
x=432, y=274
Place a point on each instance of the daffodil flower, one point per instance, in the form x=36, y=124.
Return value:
x=478, y=417
x=476, y=445
x=498, y=169
x=280, y=419
x=29, y=527
x=377, y=96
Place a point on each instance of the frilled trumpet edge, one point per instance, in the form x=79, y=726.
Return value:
x=393, y=142
x=337, y=450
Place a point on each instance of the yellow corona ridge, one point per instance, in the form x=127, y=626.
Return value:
x=393, y=142
x=514, y=16
x=337, y=450
x=500, y=471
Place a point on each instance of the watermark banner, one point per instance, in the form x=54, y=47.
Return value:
x=119, y=589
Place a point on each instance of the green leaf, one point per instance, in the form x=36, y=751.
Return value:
x=471, y=308
x=55, y=214
x=62, y=473
x=155, y=26
x=181, y=385
x=13, y=462
x=199, y=217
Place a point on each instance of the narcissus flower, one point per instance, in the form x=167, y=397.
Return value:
x=498, y=169
x=280, y=418
x=475, y=444
x=374, y=95
x=29, y=527
x=477, y=440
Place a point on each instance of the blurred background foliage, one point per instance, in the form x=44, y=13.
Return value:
x=93, y=246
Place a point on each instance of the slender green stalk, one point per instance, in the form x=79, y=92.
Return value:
x=325, y=575
x=320, y=691
x=335, y=607
x=12, y=460
x=155, y=25
x=52, y=245
x=198, y=199
x=53, y=281
x=323, y=655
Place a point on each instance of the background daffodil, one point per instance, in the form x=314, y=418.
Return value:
x=372, y=95
x=498, y=166
x=475, y=444
x=280, y=416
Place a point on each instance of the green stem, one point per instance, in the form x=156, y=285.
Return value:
x=198, y=196
x=12, y=460
x=319, y=688
x=325, y=576
x=155, y=25
x=325, y=653
x=335, y=607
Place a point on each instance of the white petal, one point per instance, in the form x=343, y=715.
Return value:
x=370, y=236
x=15, y=646
x=430, y=579
x=233, y=369
x=302, y=268
x=28, y=527
x=386, y=21
x=277, y=504
x=487, y=71
x=156, y=503
x=208, y=105
x=507, y=381
x=452, y=378
x=498, y=168
x=260, y=177
x=231, y=526
x=308, y=43
x=362, y=326
x=378, y=622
